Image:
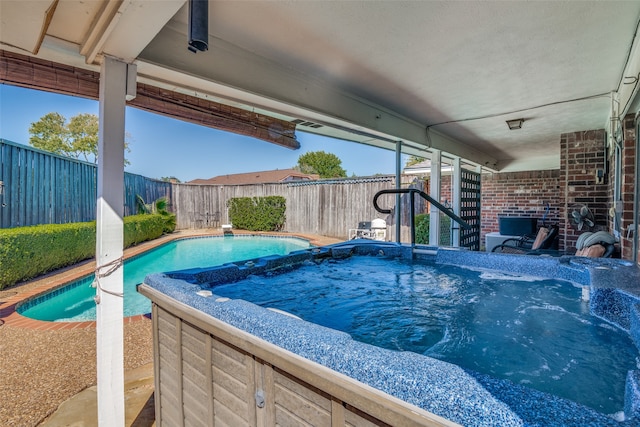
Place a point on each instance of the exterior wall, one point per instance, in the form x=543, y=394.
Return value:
x=445, y=191
x=628, y=187
x=520, y=194
x=582, y=154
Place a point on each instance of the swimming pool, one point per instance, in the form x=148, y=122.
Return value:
x=74, y=302
x=466, y=395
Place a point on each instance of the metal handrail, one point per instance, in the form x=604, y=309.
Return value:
x=464, y=224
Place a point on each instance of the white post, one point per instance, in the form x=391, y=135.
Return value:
x=456, y=188
x=109, y=242
x=398, y=210
x=434, y=191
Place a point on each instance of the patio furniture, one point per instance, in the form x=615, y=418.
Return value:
x=544, y=242
x=596, y=245
x=373, y=230
x=362, y=232
x=227, y=229
x=213, y=219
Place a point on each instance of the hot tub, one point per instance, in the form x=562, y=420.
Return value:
x=247, y=364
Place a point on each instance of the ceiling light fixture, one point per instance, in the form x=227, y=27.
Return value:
x=515, y=124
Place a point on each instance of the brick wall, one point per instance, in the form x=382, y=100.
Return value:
x=520, y=194
x=445, y=192
x=628, y=186
x=582, y=154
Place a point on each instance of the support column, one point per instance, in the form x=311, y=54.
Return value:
x=109, y=242
x=398, y=209
x=434, y=191
x=456, y=188
x=636, y=193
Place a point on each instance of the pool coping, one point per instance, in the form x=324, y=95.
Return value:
x=62, y=277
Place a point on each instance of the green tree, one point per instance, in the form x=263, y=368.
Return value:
x=170, y=179
x=83, y=135
x=326, y=165
x=76, y=138
x=414, y=160
x=50, y=134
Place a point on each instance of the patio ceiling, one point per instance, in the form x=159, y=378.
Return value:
x=445, y=75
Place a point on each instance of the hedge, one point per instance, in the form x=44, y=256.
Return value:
x=422, y=229
x=258, y=213
x=27, y=252
x=140, y=228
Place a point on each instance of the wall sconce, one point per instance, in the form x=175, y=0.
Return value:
x=515, y=124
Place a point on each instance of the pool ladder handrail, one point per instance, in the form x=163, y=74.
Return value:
x=412, y=191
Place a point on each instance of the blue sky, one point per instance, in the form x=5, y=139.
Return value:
x=161, y=146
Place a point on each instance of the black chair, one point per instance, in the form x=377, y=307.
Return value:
x=543, y=243
x=363, y=231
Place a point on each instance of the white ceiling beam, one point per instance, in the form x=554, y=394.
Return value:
x=124, y=28
x=48, y=16
x=102, y=26
x=626, y=94
x=630, y=84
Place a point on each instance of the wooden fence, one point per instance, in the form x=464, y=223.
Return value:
x=326, y=207
x=38, y=187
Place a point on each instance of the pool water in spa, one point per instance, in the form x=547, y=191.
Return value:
x=531, y=331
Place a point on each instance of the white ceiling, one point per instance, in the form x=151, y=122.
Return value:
x=445, y=75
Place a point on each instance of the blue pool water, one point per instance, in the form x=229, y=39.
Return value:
x=75, y=301
x=531, y=331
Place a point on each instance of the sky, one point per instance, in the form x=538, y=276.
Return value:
x=163, y=147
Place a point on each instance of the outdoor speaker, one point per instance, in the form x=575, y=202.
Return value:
x=198, y=25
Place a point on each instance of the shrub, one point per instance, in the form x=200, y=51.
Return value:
x=140, y=228
x=27, y=252
x=168, y=223
x=422, y=229
x=258, y=213
x=158, y=207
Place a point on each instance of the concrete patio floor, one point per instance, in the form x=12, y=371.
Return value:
x=66, y=393
x=81, y=410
